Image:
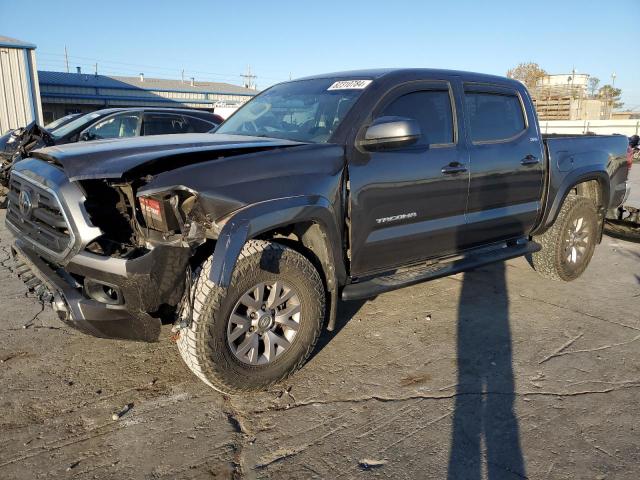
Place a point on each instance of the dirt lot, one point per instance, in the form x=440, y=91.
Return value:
x=491, y=374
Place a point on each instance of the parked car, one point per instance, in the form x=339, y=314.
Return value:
x=102, y=124
x=340, y=186
x=624, y=223
x=51, y=126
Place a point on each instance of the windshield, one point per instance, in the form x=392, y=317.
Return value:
x=304, y=111
x=59, y=122
x=74, y=124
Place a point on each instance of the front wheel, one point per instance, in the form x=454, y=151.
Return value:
x=567, y=247
x=262, y=328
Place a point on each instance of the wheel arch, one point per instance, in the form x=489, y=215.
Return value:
x=308, y=223
x=583, y=182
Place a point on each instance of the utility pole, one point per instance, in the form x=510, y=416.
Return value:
x=613, y=84
x=183, y=75
x=66, y=58
x=249, y=79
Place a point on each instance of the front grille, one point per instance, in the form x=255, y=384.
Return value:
x=35, y=212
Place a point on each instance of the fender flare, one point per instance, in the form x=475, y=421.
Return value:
x=572, y=179
x=258, y=218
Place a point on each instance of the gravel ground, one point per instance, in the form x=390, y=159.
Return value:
x=491, y=374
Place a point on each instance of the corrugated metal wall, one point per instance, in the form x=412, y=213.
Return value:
x=19, y=94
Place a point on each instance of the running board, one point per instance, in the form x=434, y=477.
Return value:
x=386, y=283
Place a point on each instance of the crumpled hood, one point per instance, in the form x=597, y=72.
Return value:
x=118, y=157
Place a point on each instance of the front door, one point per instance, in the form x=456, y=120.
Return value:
x=408, y=204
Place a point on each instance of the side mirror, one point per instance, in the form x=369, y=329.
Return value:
x=84, y=137
x=391, y=132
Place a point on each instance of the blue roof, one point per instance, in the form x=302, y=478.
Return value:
x=105, y=81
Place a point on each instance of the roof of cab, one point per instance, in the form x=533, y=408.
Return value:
x=398, y=73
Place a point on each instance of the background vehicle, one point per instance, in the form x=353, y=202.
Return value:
x=103, y=124
x=624, y=222
x=50, y=127
x=341, y=186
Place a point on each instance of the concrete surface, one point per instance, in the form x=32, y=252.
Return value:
x=492, y=374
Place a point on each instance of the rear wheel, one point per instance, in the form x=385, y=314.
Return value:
x=262, y=328
x=567, y=247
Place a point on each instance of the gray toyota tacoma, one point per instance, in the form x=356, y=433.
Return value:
x=335, y=187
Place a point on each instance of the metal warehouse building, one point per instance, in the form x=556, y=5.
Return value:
x=63, y=93
x=19, y=93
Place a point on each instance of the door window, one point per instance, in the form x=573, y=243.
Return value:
x=431, y=109
x=494, y=117
x=163, y=124
x=197, y=125
x=117, y=126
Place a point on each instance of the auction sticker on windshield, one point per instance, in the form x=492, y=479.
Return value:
x=350, y=85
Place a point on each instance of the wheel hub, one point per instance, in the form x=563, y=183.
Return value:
x=264, y=322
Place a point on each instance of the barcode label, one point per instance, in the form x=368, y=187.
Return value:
x=349, y=85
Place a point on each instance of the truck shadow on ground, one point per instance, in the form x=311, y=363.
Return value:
x=485, y=426
x=346, y=311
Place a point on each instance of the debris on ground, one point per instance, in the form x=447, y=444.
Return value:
x=125, y=409
x=367, y=463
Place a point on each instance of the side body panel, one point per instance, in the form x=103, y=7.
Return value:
x=245, y=197
x=572, y=160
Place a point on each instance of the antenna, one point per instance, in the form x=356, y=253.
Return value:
x=249, y=79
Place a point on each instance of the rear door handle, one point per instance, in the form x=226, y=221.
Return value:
x=529, y=160
x=454, y=168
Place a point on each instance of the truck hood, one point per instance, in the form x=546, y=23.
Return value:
x=118, y=158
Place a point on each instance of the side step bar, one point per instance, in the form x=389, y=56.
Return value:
x=386, y=283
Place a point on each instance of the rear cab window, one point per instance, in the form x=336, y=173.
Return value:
x=495, y=113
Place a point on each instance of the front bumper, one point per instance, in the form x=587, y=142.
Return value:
x=145, y=283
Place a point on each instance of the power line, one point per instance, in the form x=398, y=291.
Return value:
x=153, y=68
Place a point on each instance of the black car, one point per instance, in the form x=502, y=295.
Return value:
x=102, y=124
x=60, y=122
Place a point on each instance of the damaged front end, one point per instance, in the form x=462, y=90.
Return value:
x=114, y=260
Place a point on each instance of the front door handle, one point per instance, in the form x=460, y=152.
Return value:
x=529, y=160
x=454, y=168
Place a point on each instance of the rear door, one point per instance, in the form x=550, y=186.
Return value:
x=157, y=123
x=408, y=204
x=506, y=164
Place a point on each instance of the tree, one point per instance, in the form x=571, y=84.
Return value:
x=611, y=95
x=594, y=82
x=528, y=73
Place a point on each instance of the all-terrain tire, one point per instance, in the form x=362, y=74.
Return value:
x=551, y=261
x=203, y=345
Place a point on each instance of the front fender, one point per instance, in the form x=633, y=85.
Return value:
x=253, y=220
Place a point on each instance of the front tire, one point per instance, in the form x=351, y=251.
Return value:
x=567, y=247
x=260, y=329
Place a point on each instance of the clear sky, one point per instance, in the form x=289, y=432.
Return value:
x=213, y=40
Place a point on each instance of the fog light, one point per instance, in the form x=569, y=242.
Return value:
x=103, y=292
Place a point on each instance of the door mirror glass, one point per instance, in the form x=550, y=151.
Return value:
x=391, y=132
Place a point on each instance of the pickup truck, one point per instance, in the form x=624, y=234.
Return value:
x=334, y=187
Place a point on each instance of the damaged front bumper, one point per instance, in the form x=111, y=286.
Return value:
x=112, y=297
